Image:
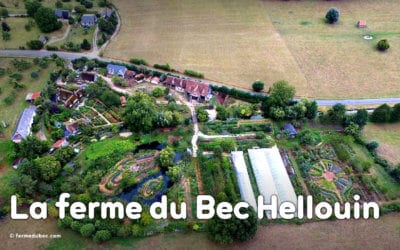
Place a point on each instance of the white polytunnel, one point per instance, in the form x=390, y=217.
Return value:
x=246, y=191
x=271, y=175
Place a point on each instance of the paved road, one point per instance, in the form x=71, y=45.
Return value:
x=71, y=56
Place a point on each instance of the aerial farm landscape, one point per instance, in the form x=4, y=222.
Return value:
x=131, y=101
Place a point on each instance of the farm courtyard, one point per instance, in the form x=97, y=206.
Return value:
x=237, y=42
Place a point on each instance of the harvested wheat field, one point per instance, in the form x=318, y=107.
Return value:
x=236, y=42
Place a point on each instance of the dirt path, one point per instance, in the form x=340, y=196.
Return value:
x=54, y=39
x=199, y=179
x=188, y=198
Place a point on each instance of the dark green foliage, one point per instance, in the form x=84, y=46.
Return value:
x=240, y=94
x=202, y=115
x=5, y=27
x=85, y=45
x=332, y=16
x=341, y=151
x=165, y=67
x=312, y=109
x=395, y=113
x=32, y=147
x=372, y=146
x=140, y=113
x=101, y=236
x=64, y=155
x=87, y=230
x=308, y=137
x=383, y=45
x=258, y=86
x=193, y=73
x=222, y=113
x=336, y=114
x=46, y=20
x=32, y=7
x=381, y=114
x=51, y=47
x=234, y=229
x=281, y=94
x=361, y=118
x=138, y=61
x=35, y=44
x=106, y=26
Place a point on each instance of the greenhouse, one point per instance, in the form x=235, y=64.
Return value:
x=271, y=175
x=246, y=191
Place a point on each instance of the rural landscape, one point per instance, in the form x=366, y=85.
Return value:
x=128, y=101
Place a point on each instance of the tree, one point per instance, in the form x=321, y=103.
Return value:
x=234, y=229
x=140, y=113
x=157, y=92
x=174, y=173
x=5, y=27
x=110, y=98
x=381, y=114
x=202, y=115
x=87, y=230
x=166, y=158
x=86, y=45
x=32, y=147
x=106, y=26
x=361, y=118
x=32, y=7
x=64, y=155
x=35, y=44
x=24, y=185
x=46, y=20
x=383, y=45
x=332, y=16
x=395, y=114
x=280, y=94
x=49, y=167
x=222, y=113
x=312, y=109
x=258, y=86
x=337, y=113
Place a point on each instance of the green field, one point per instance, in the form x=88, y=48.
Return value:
x=106, y=147
x=19, y=36
x=237, y=42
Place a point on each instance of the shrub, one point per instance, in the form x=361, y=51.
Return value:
x=86, y=45
x=34, y=75
x=87, y=230
x=381, y=114
x=165, y=67
x=157, y=92
x=138, y=61
x=383, y=45
x=372, y=146
x=193, y=73
x=35, y=44
x=102, y=235
x=51, y=47
x=258, y=86
x=332, y=16
x=9, y=100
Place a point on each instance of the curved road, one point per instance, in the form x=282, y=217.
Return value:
x=71, y=56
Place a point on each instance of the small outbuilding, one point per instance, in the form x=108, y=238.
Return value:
x=290, y=130
x=362, y=24
x=62, y=14
x=31, y=97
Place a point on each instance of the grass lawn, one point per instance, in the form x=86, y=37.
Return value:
x=237, y=42
x=18, y=7
x=388, y=136
x=31, y=85
x=76, y=35
x=106, y=147
x=19, y=36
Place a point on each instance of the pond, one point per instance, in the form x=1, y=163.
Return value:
x=131, y=193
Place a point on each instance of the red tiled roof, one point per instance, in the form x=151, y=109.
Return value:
x=130, y=73
x=35, y=95
x=59, y=143
x=197, y=88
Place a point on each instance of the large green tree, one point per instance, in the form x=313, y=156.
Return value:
x=234, y=229
x=166, y=158
x=32, y=7
x=46, y=20
x=32, y=147
x=140, y=113
x=381, y=114
x=281, y=94
x=49, y=167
